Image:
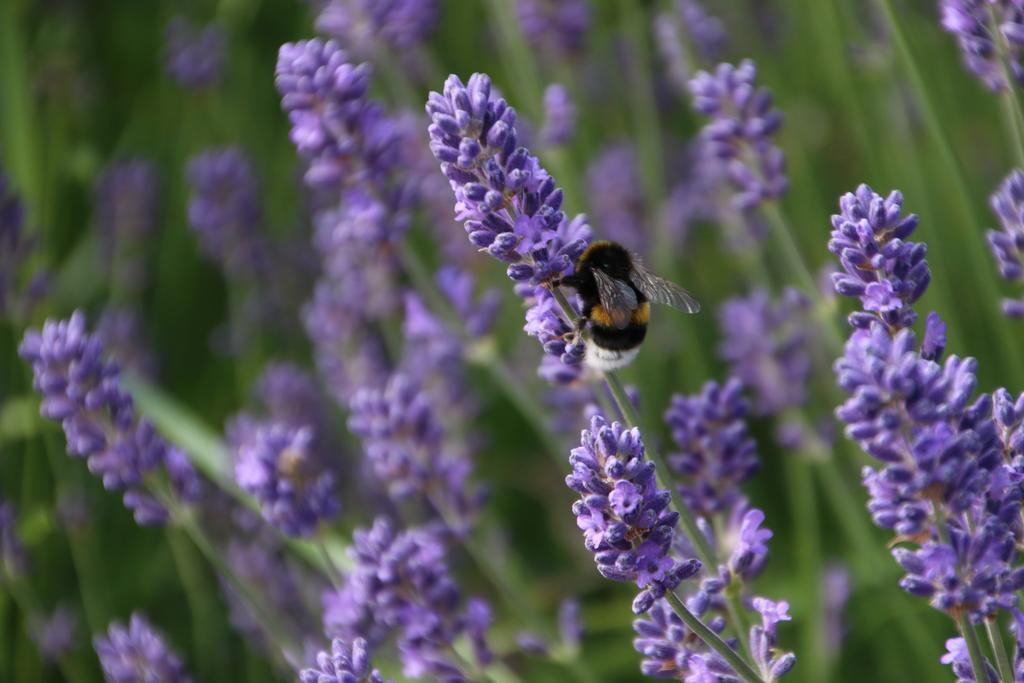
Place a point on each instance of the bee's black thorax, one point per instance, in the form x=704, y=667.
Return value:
x=614, y=260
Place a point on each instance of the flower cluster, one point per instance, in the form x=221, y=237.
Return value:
x=671, y=651
x=991, y=35
x=136, y=653
x=54, y=635
x=625, y=517
x=559, y=116
x=404, y=443
x=364, y=24
x=194, y=57
x=743, y=122
x=225, y=211
x=714, y=452
x=950, y=470
x=558, y=27
x=617, y=197
x=706, y=31
x=82, y=390
x=1008, y=245
x=400, y=585
x=343, y=664
x=15, y=248
x=510, y=206
x=274, y=464
x=766, y=344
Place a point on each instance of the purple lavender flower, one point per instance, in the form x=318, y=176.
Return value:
x=343, y=664
x=766, y=344
x=194, y=57
x=273, y=464
x=289, y=394
x=54, y=635
x=671, y=651
x=225, y=211
x=510, y=207
x=137, y=653
x=1008, y=245
x=82, y=390
x=404, y=443
x=570, y=624
x=624, y=516
x=706, y=31
x=763, y=640
x=990, y=34
x=478, y=314
x=743, y=122
x=959, y=658
x=557, y=26
x=400, y=584
x=715, y=452
x=15, y=247
x=127, y=211
x=13, y=560
x=616, y=196
x=365, y=24
x=750, y=543
x=669, y=42
x=559, y=116
x=835, y=593
x=123, y=334
x=887, y=273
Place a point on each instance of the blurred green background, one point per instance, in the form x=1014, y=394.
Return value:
x=82, y=84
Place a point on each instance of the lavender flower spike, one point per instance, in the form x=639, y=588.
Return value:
x=343, y=664
x=82, y=390
x=137, y=653
x=743, y=122
x=1008, y=245
x=624, y=516
x=991, y=36
x=194, y=57
x=274, y=464
x=13, y=560
x=559, y=116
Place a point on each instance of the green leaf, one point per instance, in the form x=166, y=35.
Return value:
x=19, y=418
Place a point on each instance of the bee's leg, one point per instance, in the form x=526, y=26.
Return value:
x=573, y=337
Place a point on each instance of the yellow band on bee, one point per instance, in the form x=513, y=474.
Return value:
x=600, y=316
x=642, y=314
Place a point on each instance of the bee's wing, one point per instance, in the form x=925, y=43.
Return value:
x=617, y=298
x=660, y=290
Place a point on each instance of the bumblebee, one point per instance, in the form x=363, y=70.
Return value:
x=617, y=291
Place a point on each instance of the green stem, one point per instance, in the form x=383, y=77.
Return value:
x=995, y=639
x=711, y=639
x=333, y=573
x=201, y=599
x=973, y=648
x=803, y=509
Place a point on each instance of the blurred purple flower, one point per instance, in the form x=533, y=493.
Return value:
x=766, y=344
x=54, y=635
x=128, y=212
x=405, y=444
x=225, y=210
x=137, y=653
x=835, y=592
x=706, y=31
x=194, y=58
x=13, y=560
x=16, y=297
x=624, y=516
x=991, y=35
x=1008, y=245
x=343, y=664
x=958, y=657
x=122, y=332
x=617, y=197
x=743, y=122
x=370, y=25
x=400, y=584
x=763, y=640
x=82, y=390
x=558, y=27
x=570, y=623
x=559, y=116
x=714, y=451
x=273, y=463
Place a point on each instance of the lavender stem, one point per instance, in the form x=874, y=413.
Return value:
x=711, y=639
x=995, y=639
x=973, y=648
